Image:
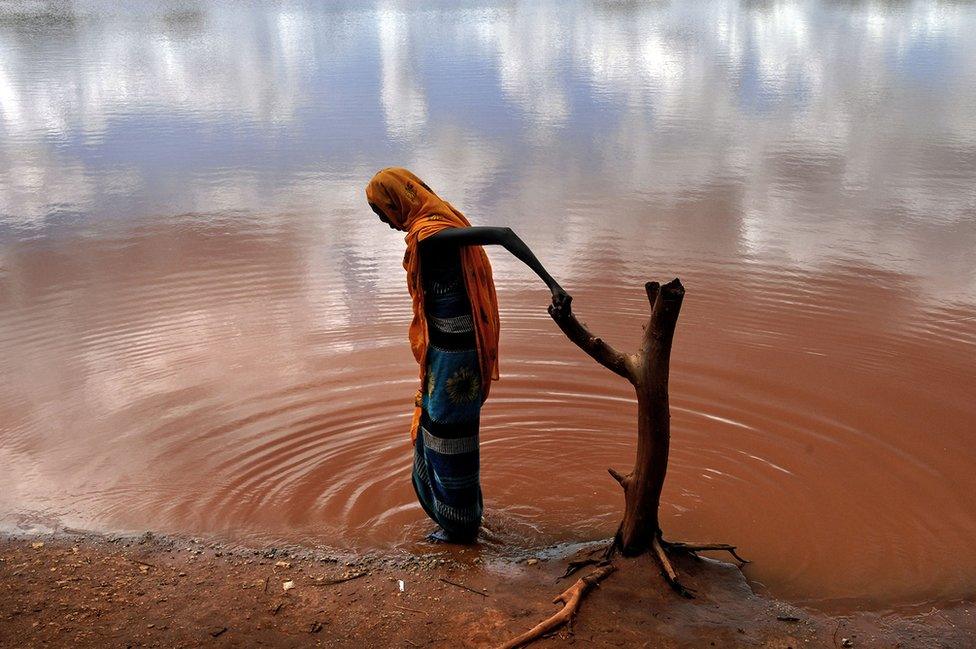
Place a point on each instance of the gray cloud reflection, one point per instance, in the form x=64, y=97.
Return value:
x=404, y=102
x=845, y=129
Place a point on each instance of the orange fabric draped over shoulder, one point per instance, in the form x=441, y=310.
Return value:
x=410, y=205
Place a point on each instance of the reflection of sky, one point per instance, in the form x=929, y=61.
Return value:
x=834, y=130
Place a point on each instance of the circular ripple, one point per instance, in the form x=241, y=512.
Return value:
x=229, y=391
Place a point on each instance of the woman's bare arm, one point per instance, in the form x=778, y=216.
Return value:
x=505, y=237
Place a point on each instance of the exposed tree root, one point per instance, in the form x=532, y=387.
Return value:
x=574, y=566
x=590, y=560
x=660, y=547
x=694, y=548
x=670, y=574
x=571, y=599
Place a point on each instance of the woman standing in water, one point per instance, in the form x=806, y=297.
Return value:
x=454, y=337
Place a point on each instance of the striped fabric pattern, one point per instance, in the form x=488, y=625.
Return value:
x=449, y=446
x=446, y=468
x=456, y=325
x=446, y=473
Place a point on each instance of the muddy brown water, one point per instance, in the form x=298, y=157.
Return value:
x=203, y=328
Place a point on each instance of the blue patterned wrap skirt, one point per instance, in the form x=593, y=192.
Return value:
x=446, y=467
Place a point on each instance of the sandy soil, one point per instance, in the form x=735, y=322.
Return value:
x=87, y=590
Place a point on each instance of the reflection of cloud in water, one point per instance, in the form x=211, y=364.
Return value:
x=529, y=47
x=404, y=103
x=458, y=165
x=838, y=130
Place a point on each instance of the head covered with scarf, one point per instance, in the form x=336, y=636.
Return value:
x=408, y=204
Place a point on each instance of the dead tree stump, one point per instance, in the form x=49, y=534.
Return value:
x=648, y=371
x=640, y=530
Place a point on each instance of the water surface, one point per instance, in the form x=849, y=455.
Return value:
x=203, y=327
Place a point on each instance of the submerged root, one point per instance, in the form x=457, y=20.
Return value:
x=571, y=599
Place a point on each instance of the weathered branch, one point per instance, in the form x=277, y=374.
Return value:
x=571, y=599
x=665, y=302
x=463, y=587
x=619, y=477
x=597, y=348
x=692, y=548
x=652, y=289
x=340, y=580
x=576, y=565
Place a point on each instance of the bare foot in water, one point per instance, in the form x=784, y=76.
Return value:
x=439, y=536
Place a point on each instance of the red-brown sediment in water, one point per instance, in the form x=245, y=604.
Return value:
x=198, y=379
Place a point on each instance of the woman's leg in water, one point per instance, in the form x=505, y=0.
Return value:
x=446, y=472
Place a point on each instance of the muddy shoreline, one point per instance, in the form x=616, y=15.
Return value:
x=93, y=590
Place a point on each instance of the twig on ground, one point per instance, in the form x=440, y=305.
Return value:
x=407, y=608
x=575, y=566
x=143, y=563
x=468, y=588
x=72, y=530
x=836, y=629
x=340, y=580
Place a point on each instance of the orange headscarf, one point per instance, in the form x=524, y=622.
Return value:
x=410, y=205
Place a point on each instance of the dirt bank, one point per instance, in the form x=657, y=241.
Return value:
x=90, y=590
